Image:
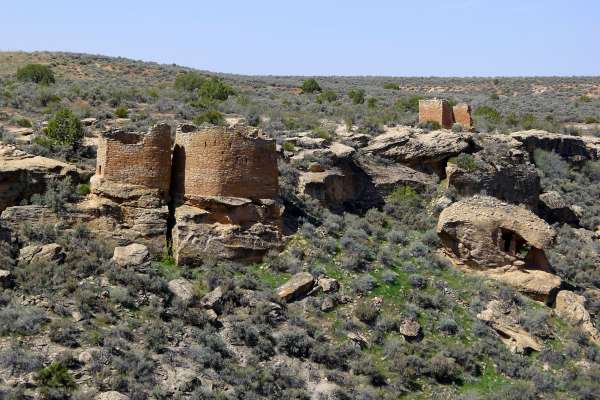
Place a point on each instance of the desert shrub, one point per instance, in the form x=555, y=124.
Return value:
x=21, y=320
x=408, y=104
x=464, y=161
x=371, y=102
x=449, y=326
x=444, y=369
x=551, y=164
x=364, y=283
x=121, y=112
x=83, y=189
x=366, y=312
x=295, y=343
x=64, y=332
x=357, y=96
x=65, y=128
x=489, y=113
x=55, y=381
x=210, y=116
x=310, y=86
x=417, y=281
x=58, y=193
x=391, y=85
x=215, y=89
x=327, y=95
x=189, y=81
x=23, y=122
x=36, y=73
x=18, y=360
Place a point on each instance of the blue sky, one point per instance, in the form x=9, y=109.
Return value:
x=399, y=38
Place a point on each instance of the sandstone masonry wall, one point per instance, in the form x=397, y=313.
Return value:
x=136, y=159
x=462, y=115
x=220, y=161
x=436, y=110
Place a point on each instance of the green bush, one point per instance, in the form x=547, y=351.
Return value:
x=408, y=104
x=189, y=81
x=310, y=86
x=327, y=95
x=83, y=189
x=487, y=112
x=371, y=102
x=391, y=85
x=24, y=123
x=464, y=161
x=121, y=112
x=36, y=73
x=591, y=120
x=211, y=116
x=65, y=128
x=288, y=146
x=357, y=96
x=55, y=381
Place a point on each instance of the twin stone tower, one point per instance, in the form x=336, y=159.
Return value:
x=211, y=193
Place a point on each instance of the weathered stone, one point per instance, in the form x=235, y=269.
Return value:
x=426, y=151
x=484, y=232
x=37, y=253
x=23, y=174
x=553, y=208
x=386, y=177
x=328, y=304
x=296, y=287
x=213, y=299
x=315, y=167
x=328, y=285
x=182, y=289
x=410, y=328
x=504, y=321
x=537, y=284
x=569, y=147
x=131, y=255
x=6, y=279
x=358, y=339
x=571, y=307
x=243, y=231
x=85, y=357
x=112, y=395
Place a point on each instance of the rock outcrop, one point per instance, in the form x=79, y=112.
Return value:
x=501, y=241
x=553, y=208
x=426, y=151
x=23, y=174
x=572, y=148
x=132, y=255
x=34, y=253
x=571, y=307
x=296, y=287
x=505, y=321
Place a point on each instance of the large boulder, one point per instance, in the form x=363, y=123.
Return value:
x=534, y=283
x=504, y=320
x=23, y=174
x=296, y=287
x=226, y=228
x=414, y=147
x=553, y=208
x=182, y=289
x=34, y=253
x=131, y=255
x=484, y=232
x=571, y=307
x=385, y=177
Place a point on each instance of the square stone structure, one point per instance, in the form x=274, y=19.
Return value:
x=462, y=115
x=222, y=161
x=436, y=110
x=136, y=158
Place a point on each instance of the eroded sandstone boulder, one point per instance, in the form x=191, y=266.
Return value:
x=296, y=287
x=573, y=148
x=571, y=307
x=553, y=208
x=484, y=232
x=182, y=289
x=34, y=253
x=534, y=283
x=414, y=147
x=131, y=255
x=504, y=320
x=23, y=174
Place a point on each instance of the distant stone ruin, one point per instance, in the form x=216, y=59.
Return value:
x=212, y=194
x=440, y=111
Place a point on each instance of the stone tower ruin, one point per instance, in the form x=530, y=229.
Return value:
x=221, y=161
x=213, y=194
x=136, y=158
x=439, y=110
